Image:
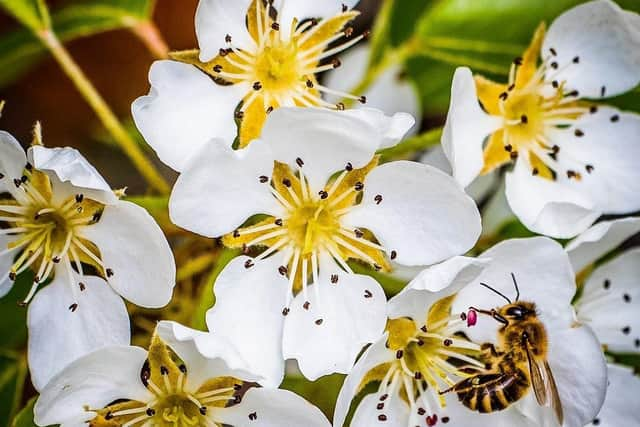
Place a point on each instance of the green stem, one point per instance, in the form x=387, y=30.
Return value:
x=413, y=144
x=102, y=110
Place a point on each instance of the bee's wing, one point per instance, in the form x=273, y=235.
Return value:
x=552, y=389
x=536, y=370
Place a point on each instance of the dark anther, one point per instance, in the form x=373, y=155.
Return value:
x=306, y=305
x=524, y=119
x=378, y=199
x=282, y=270
x=150, y=412
x=336, y=63
x=362, y=99
x=73, y=307
x=236, y=233
x=227, y=38
x=615, y=118
x=399, y=354
x=269, y=110
x=513, y=155
x=183, y=368
x=237, y=387
x=555, y=149
x=278, y=222
x=108, y=416
x=417, y=375
x=334, y=278
x=24, y=178
x=257, y=86
x=423, y=328
x=203, y=410
x=377, y=267
x=309, y=84
x=517, y=61
x=393, y=255
x=56, y=259
x=596, y=421
x=432, y=420
x=421, y=411
x=626, y=298
x=1, y=175
x=603, y=90
x=164, y=370
x=555, y=84
x=348, y=167
x=511, y=87
x=285, y=311
x=344, y=8
x=463, y=316
x=578, y=133
x=535, y=171
x=239, y=115
x=554, y=65
x=593, y=109
x=28, y=166
x=17, y=182
x=217, y=68
x=367, y=293
x=383, y=397
x=445, y=419
x=607, y=284
x=637, y=342
x=96, y=216
x=286, y=182
x=571, y=174
x=508, y=148
x=553, y=51
x=263, y=178
x=248, y=263
x=447, y=342
x=573, y=93
x=589, y=168
x=576, y=59
x=109, y=272
x=323, y=194
x=626, y=330
x=340, y=106
x=299, y=162
x=380, y=406
x=79, y=198
x=275, y=26
x=319, y=322
x=503, y=96
x=82, y=286
x=253, y=416
x=145, y=373
x=359, y=186
x=223, y=52
x=358, y=232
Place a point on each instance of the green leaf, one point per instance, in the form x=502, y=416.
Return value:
x=323, y=392
x=25, y=416
x=21, y=49
x=33, y=14
x=13, y=371
x=13, y=323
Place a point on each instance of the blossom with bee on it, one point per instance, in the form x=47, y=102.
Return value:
x=574, y=158
x=61, y=221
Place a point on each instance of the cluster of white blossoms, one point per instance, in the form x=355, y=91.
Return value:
x=517, y=336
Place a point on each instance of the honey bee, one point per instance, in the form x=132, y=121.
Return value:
x=517, y=363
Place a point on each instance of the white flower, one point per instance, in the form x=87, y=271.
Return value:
x=426, y=352
x=574, y=160
x=62, y=222
x=620, y=406
x=254, y=57
x=171, y=384
x=390, y=91
x=322, y=200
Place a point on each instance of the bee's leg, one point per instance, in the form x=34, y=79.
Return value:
x=489, y=349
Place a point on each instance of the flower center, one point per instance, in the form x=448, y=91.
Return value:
x=275, y=65
x=47, y=231
x=311, y=225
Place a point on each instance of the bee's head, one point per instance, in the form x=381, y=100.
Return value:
x=517, y=311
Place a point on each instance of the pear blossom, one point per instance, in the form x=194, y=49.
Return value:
x=619, y=408
x=61, y=221
x=170, y=384
x=573, y=158
x=301, y=201
x=434, y=340
x=254, y=57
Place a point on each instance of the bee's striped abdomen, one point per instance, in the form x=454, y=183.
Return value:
x=492, y=392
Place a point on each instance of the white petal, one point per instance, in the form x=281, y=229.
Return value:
x=394, y=414
x=262, y=407
x=220, y=188
x=606, y=39
x=375, y=355
x=6, y=261
x=544, y=276
x=573, y=353
x=432, y=284
x=328, y=335
x=70, y=173
x=478, y=189
x=610, y=143
x=466, y=128
x=58, y=336
x=327, y=140
x=389, y=128
x=217, y=18
x=620, y=404
x=205, y=355
x=289, y=10
x=598, y=240
x=248, y=313
x=94, y=380
x=12, y=161
x=553, y=208
x=424, y=215
x=609, y=302
x=185, y=110
x=389, y=92
x=133, y=246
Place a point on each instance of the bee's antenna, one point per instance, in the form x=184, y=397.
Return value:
x=496, y=291
x=513, y=276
